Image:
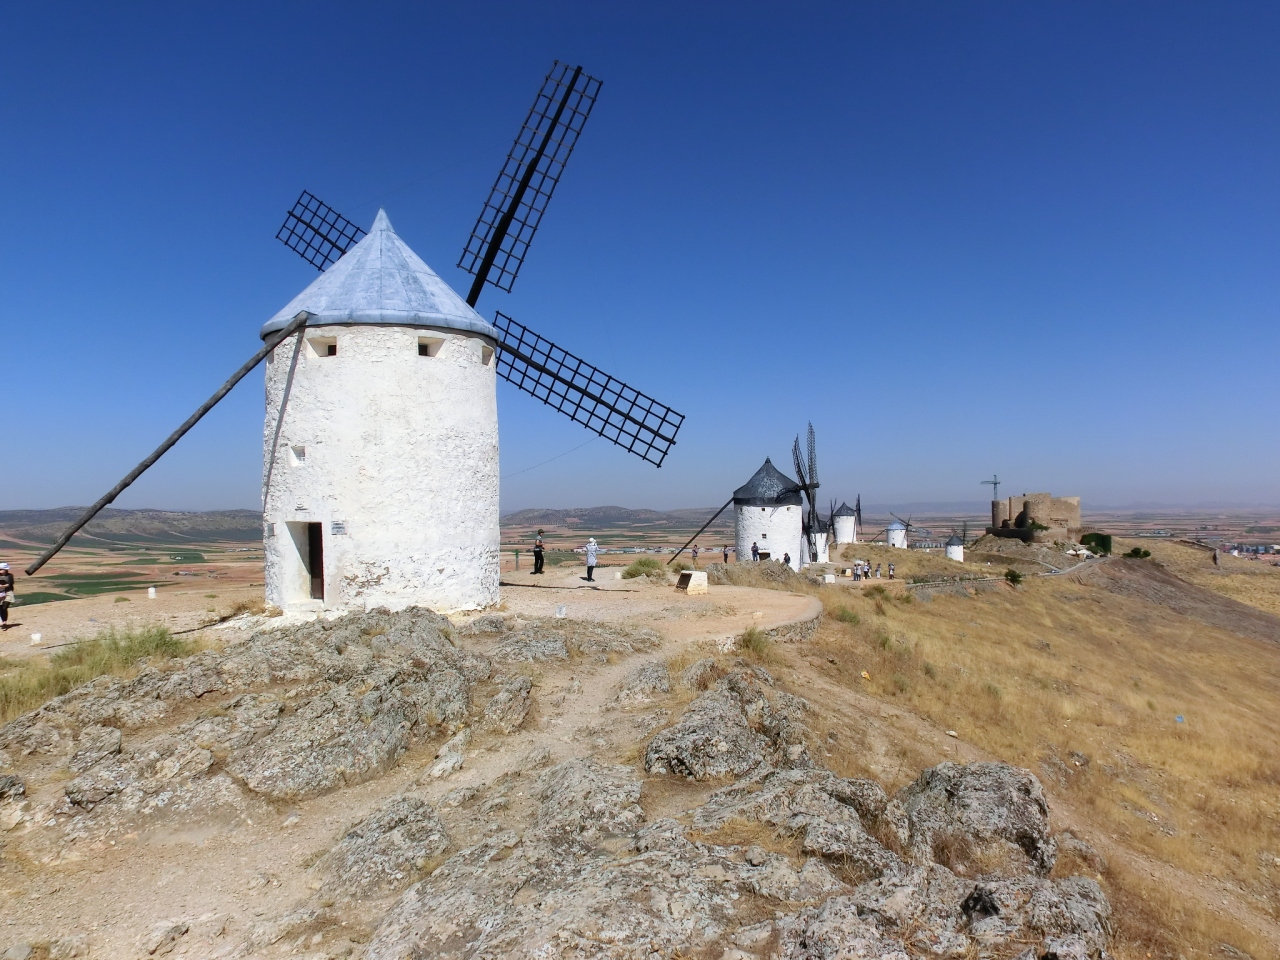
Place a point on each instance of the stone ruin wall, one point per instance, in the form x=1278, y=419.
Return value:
x=1014, y=516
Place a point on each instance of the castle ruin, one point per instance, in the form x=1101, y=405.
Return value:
x=1036, y=517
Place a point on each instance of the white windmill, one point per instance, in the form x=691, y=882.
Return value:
x=845, y=520
x=380, y=480
x=768, y=512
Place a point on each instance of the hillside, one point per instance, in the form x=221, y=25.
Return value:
x=131, y=526
x=598, y=517
x=778, y=769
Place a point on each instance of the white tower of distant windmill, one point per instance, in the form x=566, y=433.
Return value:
x=381, y=441
x=896, y=535
x=955, y=548
x=767, y=512
x=846, y=524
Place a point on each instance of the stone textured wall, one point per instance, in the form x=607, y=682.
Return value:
x=401, y=451
x=1061, y=515
x=777, y=530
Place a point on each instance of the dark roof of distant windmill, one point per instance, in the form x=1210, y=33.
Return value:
x=846, y=511
x=768, y=487
x=897, y=525
x=955, y=541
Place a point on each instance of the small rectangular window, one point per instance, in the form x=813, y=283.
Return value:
x=271, y=530
x=429, y=346
x=299, y=454
x=486, y=355
x=322, y=346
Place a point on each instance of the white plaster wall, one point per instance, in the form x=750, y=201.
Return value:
x=955, y=553
x=775, y=529
x=846, y=530
x=897, y=538
x=403, y=450
x=821, y=541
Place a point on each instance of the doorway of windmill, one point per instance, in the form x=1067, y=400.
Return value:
x=304, y=566
x=315, y=560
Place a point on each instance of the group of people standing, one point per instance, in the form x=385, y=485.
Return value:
x=862, y=570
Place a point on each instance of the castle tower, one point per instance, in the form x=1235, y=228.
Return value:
x=380, y=442
x=767, y=512
x=846, y=525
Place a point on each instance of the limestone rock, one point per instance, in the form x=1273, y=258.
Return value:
x=509, y=706
x=835, y=931
x=985, y=818
x=164, y=937
x=728, y=731
x=11, y=787
x=386, y=850
x=643, y=684
x=583, y=801
x=94, y=743
x=701, y=674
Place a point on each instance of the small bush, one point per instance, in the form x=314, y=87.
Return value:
x=755, y=640
x=930, y=670
x=680, y=567
x=121, y=600
x=1013, y=576
x=845, y=615
x=645, y=567
x=1137, y=553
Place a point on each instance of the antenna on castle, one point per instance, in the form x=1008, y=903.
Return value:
x=995, y=486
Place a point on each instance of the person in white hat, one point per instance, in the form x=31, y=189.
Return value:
x=6, y=594
x=591, y=559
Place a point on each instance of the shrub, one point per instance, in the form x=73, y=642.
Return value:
x=1013, y=576
x=755, y=640
x=680, y=567
x=1137, y=553
x=845, y=615
x=645, y=567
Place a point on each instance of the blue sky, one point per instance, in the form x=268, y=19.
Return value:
x=1040, y=239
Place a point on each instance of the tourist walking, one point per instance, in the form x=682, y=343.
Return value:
x=755, y=551
x=6, y=594
x=726, y=553
x=538, y=557
x=877, y=571
x=694, y=552
x=891, y=571
x=786, y=559
x=591, y=559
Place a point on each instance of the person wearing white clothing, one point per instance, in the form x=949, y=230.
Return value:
x=591, y=560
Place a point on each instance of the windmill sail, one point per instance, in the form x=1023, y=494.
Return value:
x=807, y=474
x=500, y=239
x=601, y=403
x=316, y=232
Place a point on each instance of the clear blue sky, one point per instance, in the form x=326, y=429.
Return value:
x=1039, y=239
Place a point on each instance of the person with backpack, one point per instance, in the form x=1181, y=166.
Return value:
x=591, y=560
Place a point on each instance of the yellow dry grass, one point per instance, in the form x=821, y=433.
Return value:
x=1085, y=687
x=1254, y=582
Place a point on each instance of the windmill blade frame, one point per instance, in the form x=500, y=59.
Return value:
x=585, y=394
x=316, y=232
x=513, y=210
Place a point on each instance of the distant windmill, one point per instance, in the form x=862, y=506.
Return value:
x=385, y=424
x=896, y=534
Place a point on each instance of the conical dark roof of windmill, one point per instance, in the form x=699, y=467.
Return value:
x=955, y=541
x=845, y=511
x=768, y=487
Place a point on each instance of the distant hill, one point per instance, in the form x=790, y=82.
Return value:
x=133, y=526
x=604, y=517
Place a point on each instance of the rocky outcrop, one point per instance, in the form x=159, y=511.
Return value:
x=509, y=706
x=643, y=685
x=981, y=818
x=387, y=850
x=730, y=730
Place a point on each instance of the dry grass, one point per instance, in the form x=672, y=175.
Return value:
x=1254, y=582
x=27, y=684
x=1084, y=687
